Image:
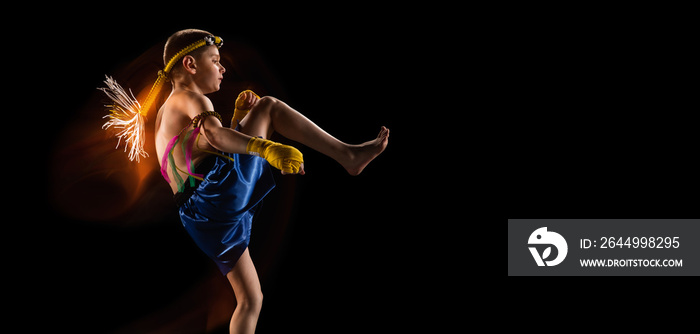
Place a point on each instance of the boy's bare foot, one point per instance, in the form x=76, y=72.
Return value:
x=361, y=155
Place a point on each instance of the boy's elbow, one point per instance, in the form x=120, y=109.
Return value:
x=213, y=136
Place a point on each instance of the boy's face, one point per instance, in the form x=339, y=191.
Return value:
x=210, y=72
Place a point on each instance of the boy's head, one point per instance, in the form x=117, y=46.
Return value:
x=191, y=58
x=201, y=65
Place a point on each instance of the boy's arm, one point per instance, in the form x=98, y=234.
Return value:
x=219, y=137
x=222, y=138
x=283, y=157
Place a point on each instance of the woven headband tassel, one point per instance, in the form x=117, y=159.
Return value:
x=129, y=116
x=125, y=115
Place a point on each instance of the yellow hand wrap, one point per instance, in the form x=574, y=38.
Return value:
x=239, y=112
x=283, y=157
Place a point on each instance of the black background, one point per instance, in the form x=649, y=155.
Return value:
x=332, y=251
x=601, y=121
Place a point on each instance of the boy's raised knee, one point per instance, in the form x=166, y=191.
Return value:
x=264, y=105
x=266, y=101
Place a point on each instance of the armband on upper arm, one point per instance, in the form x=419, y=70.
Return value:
x=197, y=120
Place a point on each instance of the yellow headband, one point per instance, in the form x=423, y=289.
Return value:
x=127, y=114
x=163, y=74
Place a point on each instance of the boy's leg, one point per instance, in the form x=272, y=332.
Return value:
x=270, y=114
x=246, y=286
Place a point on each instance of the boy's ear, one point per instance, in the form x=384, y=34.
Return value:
x=189, y=63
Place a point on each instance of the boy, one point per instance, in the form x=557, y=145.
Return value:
x=232, y=162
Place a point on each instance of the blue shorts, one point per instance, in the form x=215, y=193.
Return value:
x=219, y=213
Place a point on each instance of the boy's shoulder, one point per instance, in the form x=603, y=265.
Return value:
x=190, y=103
x=191, y=97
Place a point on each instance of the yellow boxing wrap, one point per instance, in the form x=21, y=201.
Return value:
x=283, y=157
x=239, y=112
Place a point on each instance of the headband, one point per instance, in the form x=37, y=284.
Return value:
x=127, y=114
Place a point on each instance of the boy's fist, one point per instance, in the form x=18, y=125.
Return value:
x=283, y=157
x=246, y=100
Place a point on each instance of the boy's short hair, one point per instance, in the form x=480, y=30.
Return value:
x=181, y=40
